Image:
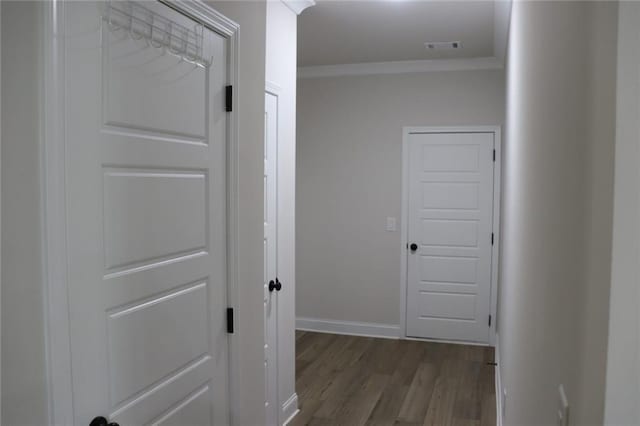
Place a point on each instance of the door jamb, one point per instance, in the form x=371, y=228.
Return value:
x=495, y=249
x=53, y=199
x=272, y=88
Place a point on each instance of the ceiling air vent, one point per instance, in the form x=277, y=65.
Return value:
x=443, y=45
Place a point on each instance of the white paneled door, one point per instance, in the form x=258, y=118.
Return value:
x=146, y=212
x=450, y=216
x=271, y=283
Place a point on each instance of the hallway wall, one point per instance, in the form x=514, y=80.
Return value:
x=280, y=71
x=24, y=381
x=349, y=178
x=623, y=358
x=557, y=209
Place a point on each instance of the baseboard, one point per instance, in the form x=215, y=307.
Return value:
x=352, y=328
x=290, y=409
x=498, y=378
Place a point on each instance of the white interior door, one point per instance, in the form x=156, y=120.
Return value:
x=271, y=283
x=146, y=213
x=450, y=235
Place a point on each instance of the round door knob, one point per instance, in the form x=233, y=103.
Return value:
x=99, y=421
x=278, y=285
x=414, y=247
x=273, y=286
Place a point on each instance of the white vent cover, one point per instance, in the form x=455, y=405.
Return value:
x=443, y=45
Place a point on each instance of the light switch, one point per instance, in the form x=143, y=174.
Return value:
x=391, y=224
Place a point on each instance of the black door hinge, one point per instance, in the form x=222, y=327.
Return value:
x=489, y=320
x=492, y=238
x=228, y=100
x=494, y=155
x=230, y=320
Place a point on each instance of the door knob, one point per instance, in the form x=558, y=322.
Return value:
x=414, y=247
x=272, y=286
x=101, y=421
x=278, y=285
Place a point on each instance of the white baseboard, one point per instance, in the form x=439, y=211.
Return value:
x=290, y=409
x=498, y=378
x=352, y=328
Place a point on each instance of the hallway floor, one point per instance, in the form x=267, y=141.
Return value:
x=346, y=380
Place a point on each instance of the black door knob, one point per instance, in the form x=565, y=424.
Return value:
x=278, y=285
x=101, y=421
x=414, y=247
x=272, y=286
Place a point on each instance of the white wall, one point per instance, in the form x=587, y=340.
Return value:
x=349, y=180
x=557, y=209
x=623, y=372
x=24, y=399
x=280, y=71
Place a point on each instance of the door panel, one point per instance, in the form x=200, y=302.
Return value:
x=146, y=202
x=450, y=219
x=270, y=258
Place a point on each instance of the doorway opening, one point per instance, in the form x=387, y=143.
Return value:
x=398, y=225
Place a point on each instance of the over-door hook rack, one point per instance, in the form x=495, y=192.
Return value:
x=158, y=31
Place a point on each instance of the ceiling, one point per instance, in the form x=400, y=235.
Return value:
x=345, y=32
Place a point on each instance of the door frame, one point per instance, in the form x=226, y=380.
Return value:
x=53, y=200
x=404, y=228
x=273, y=89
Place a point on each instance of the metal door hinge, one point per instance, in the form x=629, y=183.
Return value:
x=494, y=155
x=489, y=320
x=228, y=100
x=230, y=320
x=492, y=236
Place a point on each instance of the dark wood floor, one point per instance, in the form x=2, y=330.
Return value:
x=345, y=380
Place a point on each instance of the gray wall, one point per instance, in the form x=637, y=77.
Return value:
x=24, y=400
x=349, y=180
x=557, y=209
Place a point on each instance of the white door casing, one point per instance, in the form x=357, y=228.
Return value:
x=145, y=179
x=271, y=259
x=450, y=217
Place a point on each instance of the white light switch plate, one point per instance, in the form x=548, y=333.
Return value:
x=391, y=224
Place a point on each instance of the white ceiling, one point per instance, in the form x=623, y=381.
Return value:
x=345, y=32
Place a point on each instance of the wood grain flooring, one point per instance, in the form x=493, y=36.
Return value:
x=347, y=380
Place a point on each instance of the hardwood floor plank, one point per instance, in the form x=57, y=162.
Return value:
x=415, y=403
x=307, y=408
x=349, y=380
x=441, y=405
x=468, y=396
x=388, y=406
x=358, y=407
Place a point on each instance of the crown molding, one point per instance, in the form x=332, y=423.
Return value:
x=297, y=6
x=401, y=67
